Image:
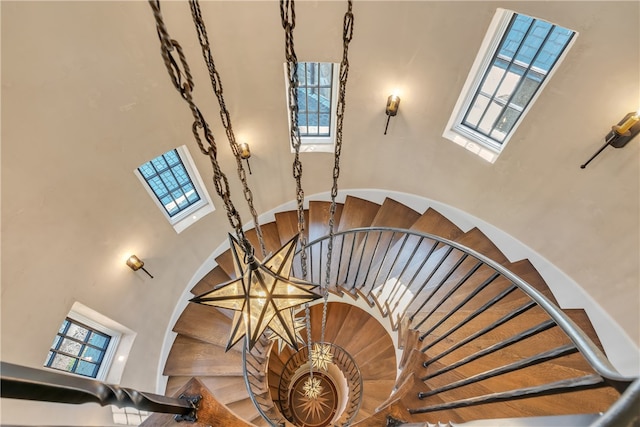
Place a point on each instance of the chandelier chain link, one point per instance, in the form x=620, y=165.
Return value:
x=216, y=84
x=288, y=18
x=181, y=77
x=347, y=35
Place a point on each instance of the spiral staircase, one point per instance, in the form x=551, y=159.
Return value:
x=440, y=325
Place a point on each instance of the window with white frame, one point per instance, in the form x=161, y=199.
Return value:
x=90, y=344
x=518, y=55
x=172, y=181
x=316, y=95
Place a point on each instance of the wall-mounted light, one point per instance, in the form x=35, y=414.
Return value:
x=245, y=153
x=393, y=102
x=137, y=264
x=620, y=134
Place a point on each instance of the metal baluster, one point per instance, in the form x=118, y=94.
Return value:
x=473, y=315
x=433, y=272
x=582, y=383
x=515, y=313
x=541, y=327
x=437, y=288
x=512, y=367
x=363, y=245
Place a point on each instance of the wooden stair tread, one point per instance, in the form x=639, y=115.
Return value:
x=394, y=214
x=226, y=263
x=357, y=213
x=244, y=409
x=213, y=278
x=189, y=356
x=287, y=224
x=204, y=323
x=319, y=213
x=433, y=222
x=270, y=236
x=479, y=242
x=375, y=392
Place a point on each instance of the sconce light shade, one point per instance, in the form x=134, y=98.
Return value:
x=245, y=153
x=620, y=134
x=136, y=264
x=244, y=150
x=393, y=102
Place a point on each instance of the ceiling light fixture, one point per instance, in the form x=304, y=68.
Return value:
x=137, y=264
x=620, y=134
x=393, y=102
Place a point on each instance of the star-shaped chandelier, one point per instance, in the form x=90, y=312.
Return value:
x=262, y=295
x=312, y=388
x=321, y=356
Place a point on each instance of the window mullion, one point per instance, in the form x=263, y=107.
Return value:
x=524, y=75
x=506, y=71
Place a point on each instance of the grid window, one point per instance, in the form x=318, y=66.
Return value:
x=518, y=55
x=170, y=182
x=78, y=349
x=527, y=52
x=314, y=98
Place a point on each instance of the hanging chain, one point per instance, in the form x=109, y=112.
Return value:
x=288, y=17
x=347, y=35
x=182, y=80
x=216, y=84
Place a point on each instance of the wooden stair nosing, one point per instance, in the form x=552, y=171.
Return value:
x=356, y=213
x=213, y=278
x=433, y=222
x=479, y=242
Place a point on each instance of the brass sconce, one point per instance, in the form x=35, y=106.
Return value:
x=393, y=102
x=620, y=134
x=245, y=153
x=137, y=264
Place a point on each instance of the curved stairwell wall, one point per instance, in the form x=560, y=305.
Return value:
x=620, y=349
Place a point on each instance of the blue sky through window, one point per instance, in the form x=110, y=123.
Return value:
x=170, y=182
x=526, y=54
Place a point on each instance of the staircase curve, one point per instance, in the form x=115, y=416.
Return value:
x=442, y=326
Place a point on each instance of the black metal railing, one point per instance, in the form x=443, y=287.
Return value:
x=459, y=300
x=21, y=382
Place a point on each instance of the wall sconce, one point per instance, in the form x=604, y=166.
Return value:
x=393, y=102
x=136, y=264
x=245, y=153
x=620, y=134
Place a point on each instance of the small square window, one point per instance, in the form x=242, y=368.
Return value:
x=517, y=56
x=78, y=349
x=171, y=179
x=316, y=95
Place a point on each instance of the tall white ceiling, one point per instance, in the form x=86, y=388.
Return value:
x=86, y=99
